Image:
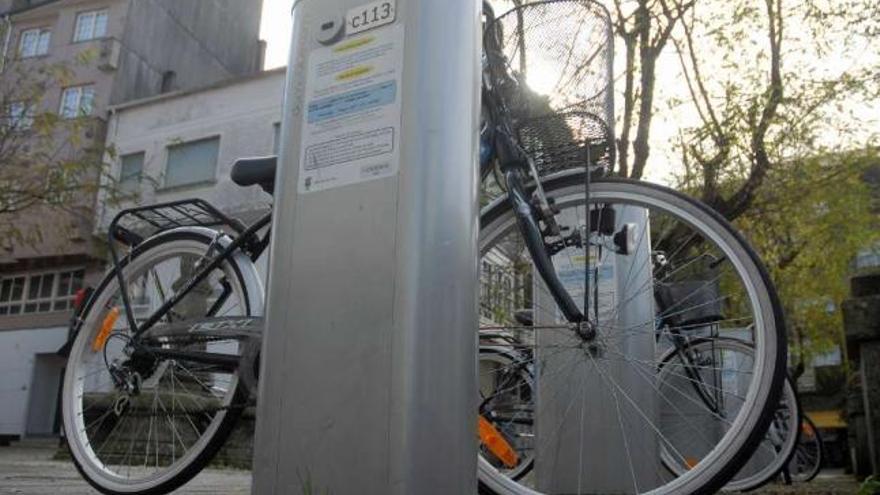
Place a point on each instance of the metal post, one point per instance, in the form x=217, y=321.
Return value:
x=368, y=379
x=584, y=398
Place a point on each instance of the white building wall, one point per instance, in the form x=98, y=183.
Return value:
x=17, y=357
x=242, y=113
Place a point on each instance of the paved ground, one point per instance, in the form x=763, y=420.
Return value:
x=28, y=469
x=826, y=483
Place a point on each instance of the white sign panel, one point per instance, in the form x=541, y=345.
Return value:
x=570, y=266
x=351, y=118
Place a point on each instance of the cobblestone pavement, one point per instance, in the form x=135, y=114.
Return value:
x=28, y=469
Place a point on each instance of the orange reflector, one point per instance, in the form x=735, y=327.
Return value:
x=496, y=443
x=807, y=430
x=106, y=328
x=690, y=462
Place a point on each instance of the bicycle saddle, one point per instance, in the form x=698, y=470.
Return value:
x=259, y=171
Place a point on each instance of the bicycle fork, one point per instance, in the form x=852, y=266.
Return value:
x=526, y=216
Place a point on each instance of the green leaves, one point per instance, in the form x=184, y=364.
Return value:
x=808, y=222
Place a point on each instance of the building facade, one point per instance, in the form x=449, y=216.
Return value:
x=113, y=51
x=182, y=145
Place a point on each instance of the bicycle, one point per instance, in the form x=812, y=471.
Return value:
x=806, y=461
x=164, y=355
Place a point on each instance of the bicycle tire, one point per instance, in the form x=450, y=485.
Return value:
x=177, y=242
x=715, y=471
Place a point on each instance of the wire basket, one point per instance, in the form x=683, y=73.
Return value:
x=561, y=53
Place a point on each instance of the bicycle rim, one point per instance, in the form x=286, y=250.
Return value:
x=157, y=438
x=603, y=392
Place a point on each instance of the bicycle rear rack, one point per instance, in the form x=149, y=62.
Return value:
x=132, y=225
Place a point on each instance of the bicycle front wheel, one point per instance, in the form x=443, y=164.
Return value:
x=650, y=268
x=144, y=423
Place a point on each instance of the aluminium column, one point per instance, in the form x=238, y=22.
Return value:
x=368, y=379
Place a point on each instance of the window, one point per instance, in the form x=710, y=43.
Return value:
x=20, y=117
x=34, y=42
x=77, y=101
x=191, y=163
x=39, y=293
x=132, y=169
x=90, y=25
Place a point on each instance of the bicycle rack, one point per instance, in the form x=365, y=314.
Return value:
x=132, y=226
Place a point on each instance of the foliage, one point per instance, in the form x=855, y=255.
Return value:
x=746, y=85
x=770, y=83
x=808, y=221
x=771, y=101
x=47, y=163
x=870, y=486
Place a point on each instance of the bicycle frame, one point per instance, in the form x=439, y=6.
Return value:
x=515, y=165
x=246, y=240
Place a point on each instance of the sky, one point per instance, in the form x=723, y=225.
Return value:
x=275, y=29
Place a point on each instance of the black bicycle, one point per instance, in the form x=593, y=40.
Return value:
x=165, y=351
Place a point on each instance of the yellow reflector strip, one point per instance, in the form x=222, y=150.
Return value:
x=690, y=462
x=106, y=328
x=827, y=419
x=496, y=443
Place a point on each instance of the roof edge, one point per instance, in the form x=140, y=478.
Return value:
x=186, y=92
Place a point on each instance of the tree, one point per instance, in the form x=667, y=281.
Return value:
x=645, y=27
x=47, y=163
x=808, y=222
x=766, y=86
x=780, y=142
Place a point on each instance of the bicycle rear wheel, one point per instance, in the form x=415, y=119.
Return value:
x=139, y=423
x=506, y=411
x=806, y=462
x=662, y=267
x=713, y=358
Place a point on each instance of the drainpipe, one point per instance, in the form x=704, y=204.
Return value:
x=7, y=38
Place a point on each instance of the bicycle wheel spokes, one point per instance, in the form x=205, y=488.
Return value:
x=655, y=397
x=140, y=416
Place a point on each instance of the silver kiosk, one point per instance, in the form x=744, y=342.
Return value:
x=369, y=369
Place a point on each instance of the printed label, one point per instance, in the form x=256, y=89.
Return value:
x=369, y=16
x=351, y=122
